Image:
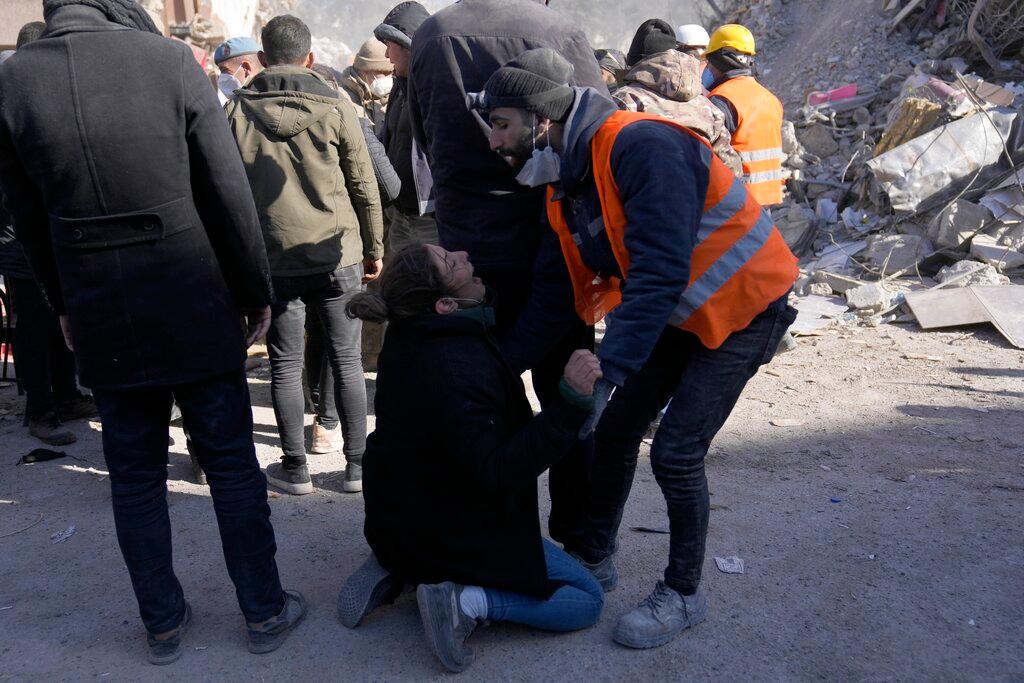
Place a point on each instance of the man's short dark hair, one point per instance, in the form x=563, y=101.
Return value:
x=29, y=32
x=286, y=40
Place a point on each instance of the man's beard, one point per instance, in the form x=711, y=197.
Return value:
x=518, y=154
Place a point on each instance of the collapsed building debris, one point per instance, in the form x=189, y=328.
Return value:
x=911, y=187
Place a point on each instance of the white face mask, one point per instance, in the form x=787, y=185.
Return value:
x=543, y=167
x=381, y=87
x=228, y=84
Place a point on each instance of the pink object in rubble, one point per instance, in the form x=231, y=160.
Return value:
x=844, y=93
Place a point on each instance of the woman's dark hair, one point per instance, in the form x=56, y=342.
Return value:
x=409, y=286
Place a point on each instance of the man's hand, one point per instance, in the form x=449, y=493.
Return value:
x=257, y=322
x=582, y=370
x=66, y=329
x=371, y=269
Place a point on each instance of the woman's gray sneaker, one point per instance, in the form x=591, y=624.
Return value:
x=662, y=616
x=353, y=477
x=445, y=624
x=295, y=481
x=367, y=589
x=168, y=651
x=272, y=633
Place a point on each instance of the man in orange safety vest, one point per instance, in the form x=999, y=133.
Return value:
x=650, y=231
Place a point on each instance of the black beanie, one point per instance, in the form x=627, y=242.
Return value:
x=653, y=36
x=401, y=23
x=537, y=81
x=728, y=59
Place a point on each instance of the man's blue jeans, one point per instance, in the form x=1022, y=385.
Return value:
x=574, y=606
x=703, y=385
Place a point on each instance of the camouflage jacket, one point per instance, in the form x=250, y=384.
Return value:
x=668, y=84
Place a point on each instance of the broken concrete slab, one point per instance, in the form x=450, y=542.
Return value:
x=988, y=249
x=840, y=284
x=818, y=140
x=927, y=165
x=815, y=313
x=958, y=223
x=893, y=253
x=969, y=273
x=1001, y=306
x=872, y=297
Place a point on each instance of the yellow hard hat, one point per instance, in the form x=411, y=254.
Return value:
x=735, y=36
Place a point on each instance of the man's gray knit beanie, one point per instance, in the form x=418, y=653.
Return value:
x=537, y=81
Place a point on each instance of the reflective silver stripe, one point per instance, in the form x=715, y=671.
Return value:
x=764, y=177
x=697, y=294
x=734, y=200
x=576, y=239
x=596, y=226
x=763, y=154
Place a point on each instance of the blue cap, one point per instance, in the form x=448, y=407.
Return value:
x=235, y=47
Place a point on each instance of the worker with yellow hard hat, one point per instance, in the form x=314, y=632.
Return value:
x=753, y=114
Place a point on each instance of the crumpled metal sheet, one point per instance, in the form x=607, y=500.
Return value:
x=925, y=166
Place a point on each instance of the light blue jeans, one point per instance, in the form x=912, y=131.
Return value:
x=575, y=605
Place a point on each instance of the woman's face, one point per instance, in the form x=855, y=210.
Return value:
x=457, y=272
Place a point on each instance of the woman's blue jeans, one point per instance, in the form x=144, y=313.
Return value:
x=574, y=606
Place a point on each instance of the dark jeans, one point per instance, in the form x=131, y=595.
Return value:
x=319, y=377
x=218, y=415
x=43, y=363
x=327, y=294
x=567, y=479
x=704, y=386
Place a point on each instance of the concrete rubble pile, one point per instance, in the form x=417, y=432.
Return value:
x=910, y=179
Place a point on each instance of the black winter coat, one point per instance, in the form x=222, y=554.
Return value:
x=450, y=473
x=397, y=139
x=480, y=208
x=128, y=193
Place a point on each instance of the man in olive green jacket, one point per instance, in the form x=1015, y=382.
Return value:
x=319, y=207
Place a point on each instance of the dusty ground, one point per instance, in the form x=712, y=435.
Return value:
x=881, y=537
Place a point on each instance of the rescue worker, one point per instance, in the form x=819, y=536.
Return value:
x=661, y=238
x=753, y=114
x=665, y=81
x=693, y=40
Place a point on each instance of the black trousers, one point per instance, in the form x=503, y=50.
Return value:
x=568, y=478
x=218, y=415
x=44, y=365
x=703, y=386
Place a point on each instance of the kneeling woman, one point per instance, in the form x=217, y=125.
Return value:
x=450, y=474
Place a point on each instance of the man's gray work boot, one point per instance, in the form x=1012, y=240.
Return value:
x=604, y=571
x=662, y=616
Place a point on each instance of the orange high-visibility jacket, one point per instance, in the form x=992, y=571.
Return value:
x=758, y=136
x=739, y=266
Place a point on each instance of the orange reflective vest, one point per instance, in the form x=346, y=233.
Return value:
x=758, y=136
x=739, y=266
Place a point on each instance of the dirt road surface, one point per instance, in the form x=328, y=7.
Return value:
x=881, y=535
